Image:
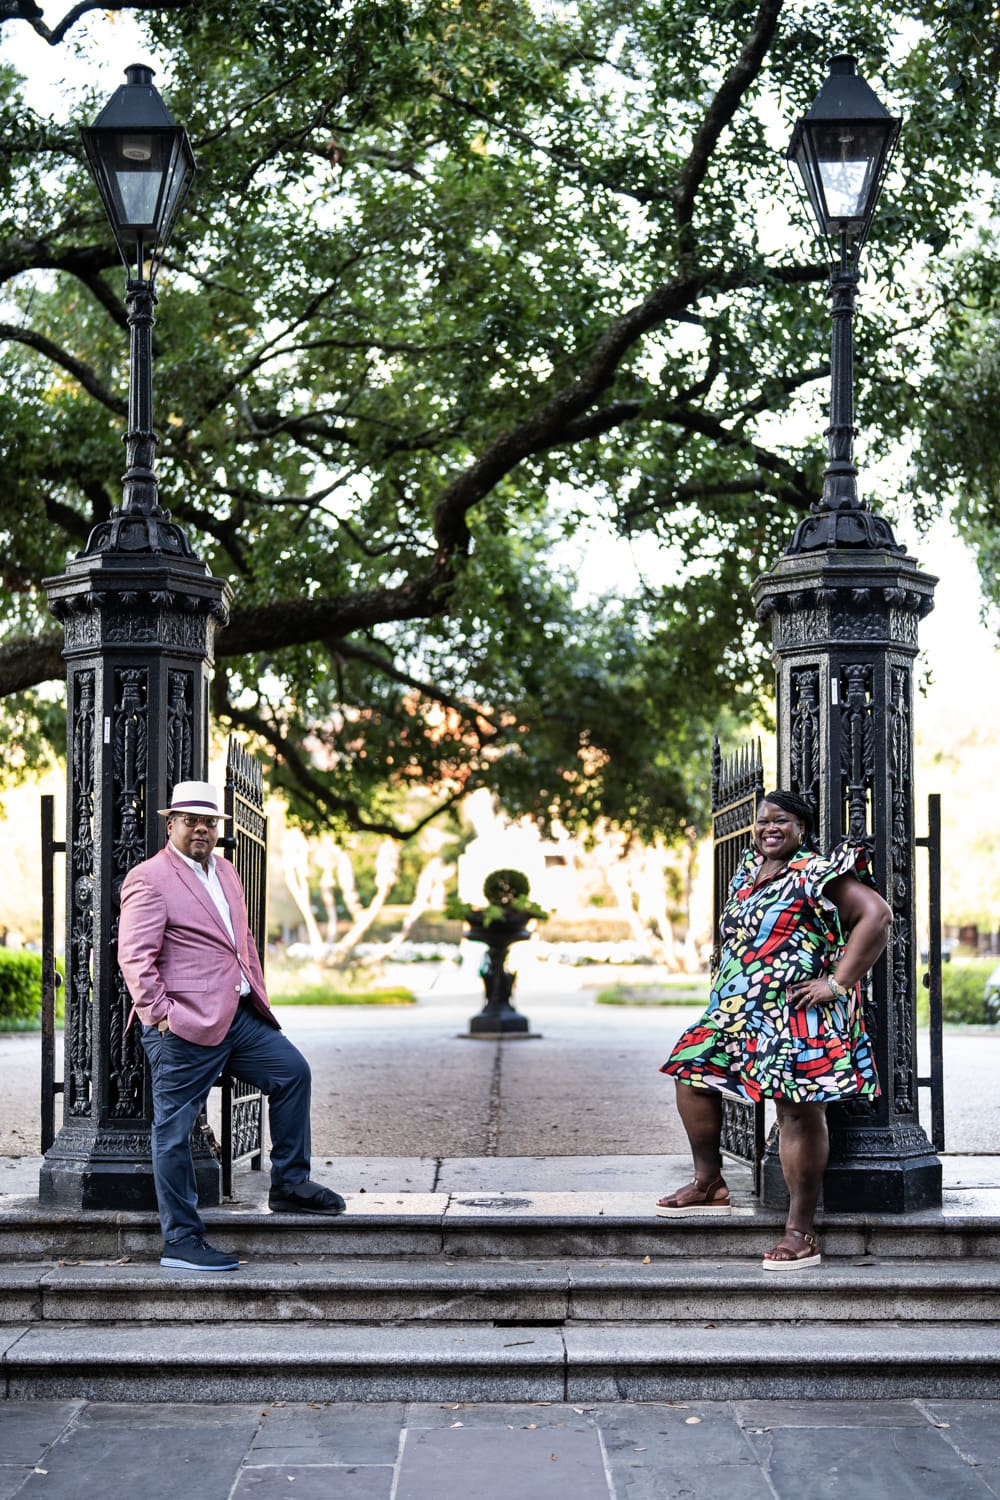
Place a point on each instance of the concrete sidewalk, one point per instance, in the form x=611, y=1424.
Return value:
x=740, y=1450
x=551, y=1184
x=407, y=1082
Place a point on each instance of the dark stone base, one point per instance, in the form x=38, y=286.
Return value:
x=91, y=1171
x=97, y=1183
x=888, y=1187
x=862, y=1184
x=503, y=1023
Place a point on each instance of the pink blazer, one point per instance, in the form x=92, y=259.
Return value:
x=179, y=962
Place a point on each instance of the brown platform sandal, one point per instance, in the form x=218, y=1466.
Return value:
x=695, y=1199
x=800, y=1258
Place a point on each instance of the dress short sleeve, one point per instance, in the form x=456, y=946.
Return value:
x=817, y=871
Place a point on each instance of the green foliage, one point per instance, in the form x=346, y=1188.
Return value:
x=32, y=732
x=963, y=988
x=506, y=887
x=688, y=992
x=464, y=288
x=291, y=982
x=320, y=994
x=508, y=894
x=20, y=987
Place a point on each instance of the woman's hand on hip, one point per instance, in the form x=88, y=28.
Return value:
x=806, y=992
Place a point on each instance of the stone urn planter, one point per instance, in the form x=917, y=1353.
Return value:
x=507, y=919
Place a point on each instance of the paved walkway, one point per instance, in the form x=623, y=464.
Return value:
x=740, y=1450
x=407, y=1081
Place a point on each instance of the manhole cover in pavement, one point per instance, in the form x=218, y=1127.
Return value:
x=493, y=1202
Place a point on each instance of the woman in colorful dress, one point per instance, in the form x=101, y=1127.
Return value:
x=784, y=1020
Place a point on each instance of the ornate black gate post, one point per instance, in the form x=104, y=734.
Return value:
x=844, y=626
x=139, y=612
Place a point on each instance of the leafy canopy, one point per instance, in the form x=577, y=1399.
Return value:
x=465, y=288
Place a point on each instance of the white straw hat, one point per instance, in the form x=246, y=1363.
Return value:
x=194, y=797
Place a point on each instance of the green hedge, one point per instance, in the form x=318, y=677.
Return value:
x=963, y=988
x=20, y=986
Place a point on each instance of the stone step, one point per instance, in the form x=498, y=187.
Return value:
x=308, y=1361
x=495, y=1291
x=511, y=1225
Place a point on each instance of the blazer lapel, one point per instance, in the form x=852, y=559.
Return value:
x=197, y=889
x=233, y=892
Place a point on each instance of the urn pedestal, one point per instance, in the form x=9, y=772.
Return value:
x=498, y=1018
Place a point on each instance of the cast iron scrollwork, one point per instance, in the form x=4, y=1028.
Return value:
x=179, y=720
x=857, y=750
x=804, y=735
x=130, y=745
x=900, y=843
x=79, y=1072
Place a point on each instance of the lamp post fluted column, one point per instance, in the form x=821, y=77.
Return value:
x=840, y=482
x=139, y=491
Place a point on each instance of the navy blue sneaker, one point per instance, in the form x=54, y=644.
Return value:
x=305, y=1198
x=193, y=1254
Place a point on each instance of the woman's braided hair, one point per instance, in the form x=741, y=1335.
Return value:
x=790, y=803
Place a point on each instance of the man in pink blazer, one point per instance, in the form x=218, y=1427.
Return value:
x=192, y=969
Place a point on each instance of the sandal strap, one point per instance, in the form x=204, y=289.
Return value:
x=783, y=1252
x=704, y=1193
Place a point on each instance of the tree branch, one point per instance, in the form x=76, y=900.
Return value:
x=323, y=801
x=26, y=663
x=723, y=107
x=705, y=424
x=470, y=712
x=75, y=367
x=546, y=427
x=28, y=11
x=17, y=255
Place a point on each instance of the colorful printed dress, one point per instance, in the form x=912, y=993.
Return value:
x=749, y=1043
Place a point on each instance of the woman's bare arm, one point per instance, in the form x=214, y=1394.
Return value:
x=867, y=919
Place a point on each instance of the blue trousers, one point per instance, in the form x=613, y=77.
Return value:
x=184, y=1072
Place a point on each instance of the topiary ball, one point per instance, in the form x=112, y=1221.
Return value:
x=504, y=887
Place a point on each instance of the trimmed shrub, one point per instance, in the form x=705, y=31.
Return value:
x=963, y=989
x=20, y=986
x=506, y=887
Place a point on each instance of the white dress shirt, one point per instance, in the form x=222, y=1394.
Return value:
x=210, y=879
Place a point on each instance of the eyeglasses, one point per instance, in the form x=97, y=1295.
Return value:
x=192, y=820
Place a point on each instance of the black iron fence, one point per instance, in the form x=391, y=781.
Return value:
x=51, y=846
x=737, y=787
x=246, y=848
x=934, y=1080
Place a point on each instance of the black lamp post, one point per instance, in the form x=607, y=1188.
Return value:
x=844, y=602
x=143, y=166
x=842, y=149
x=139, y=611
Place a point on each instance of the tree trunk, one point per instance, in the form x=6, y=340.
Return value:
x=386, y=870
x=295, y=867
x=428, y=894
